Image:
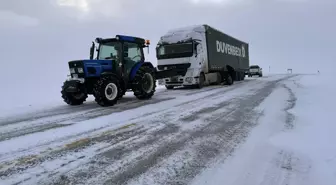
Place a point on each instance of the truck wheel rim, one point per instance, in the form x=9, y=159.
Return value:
x=148, y=83
x=111, y=91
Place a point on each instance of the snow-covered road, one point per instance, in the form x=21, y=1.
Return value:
x=170, y=139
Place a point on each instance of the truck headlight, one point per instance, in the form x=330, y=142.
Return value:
x=80, y=70
x=189, y=79
x=72, y=70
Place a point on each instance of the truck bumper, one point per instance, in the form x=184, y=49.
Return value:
x=179, y=81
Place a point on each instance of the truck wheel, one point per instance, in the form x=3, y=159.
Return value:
x=219, y=79
x=144, y=83
x=201, y=81
x=260, y=75
x=229, y=79
x=72, y=98
x=169, y=87
x=107, y=91
x=237, y=76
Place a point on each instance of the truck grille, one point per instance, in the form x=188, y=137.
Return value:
x=174, y=66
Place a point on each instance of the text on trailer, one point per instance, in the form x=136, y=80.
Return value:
x=229, y=49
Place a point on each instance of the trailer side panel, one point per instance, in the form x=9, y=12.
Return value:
x=225, y=50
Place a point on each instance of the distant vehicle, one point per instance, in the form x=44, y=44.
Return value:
x=210, y=56
x=255, y=70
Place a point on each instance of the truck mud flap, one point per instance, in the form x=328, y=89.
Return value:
x=170, y=73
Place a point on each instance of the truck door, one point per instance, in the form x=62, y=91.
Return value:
x=200, y=56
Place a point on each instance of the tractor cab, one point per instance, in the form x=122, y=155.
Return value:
x=122, y=51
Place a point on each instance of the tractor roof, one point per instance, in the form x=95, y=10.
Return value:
x=123, y=38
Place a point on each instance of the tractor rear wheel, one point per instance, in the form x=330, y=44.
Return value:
x=144, y=83
x=107, y=91
x=73, y=98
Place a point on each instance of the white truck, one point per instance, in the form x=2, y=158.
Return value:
x=208, y=55
x=255, y=70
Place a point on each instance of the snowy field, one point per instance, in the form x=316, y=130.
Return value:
x=274, y=130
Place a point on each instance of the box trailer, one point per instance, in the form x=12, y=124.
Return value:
x=208, y=56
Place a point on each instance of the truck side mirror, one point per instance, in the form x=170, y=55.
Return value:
x=92, y=50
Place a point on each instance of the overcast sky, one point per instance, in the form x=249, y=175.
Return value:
x=40, y=36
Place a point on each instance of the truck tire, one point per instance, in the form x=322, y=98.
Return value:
x=229, y=79
x=237, y=77
x=144, y=83
x=200, y=85
x=106, y=91
x=169, y=87
x=72, y=98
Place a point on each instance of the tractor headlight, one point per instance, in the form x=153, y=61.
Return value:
x=72, y=70
x=80, y=70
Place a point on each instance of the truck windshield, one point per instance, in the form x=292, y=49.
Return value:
x=254, y=67
x=109, y=50
x=175, y=50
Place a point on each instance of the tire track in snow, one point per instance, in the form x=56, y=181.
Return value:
x=92, y=106
x=24, y=128
x=30, y=125
x=291, y=104
x=168, y=114
x=183, y=108
x=171, y=146
x=190, y=105
x=220, y=135
x=287, y=168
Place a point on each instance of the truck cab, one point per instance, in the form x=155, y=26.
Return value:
x=182, y=48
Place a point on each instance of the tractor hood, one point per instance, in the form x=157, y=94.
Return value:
x=91, y=68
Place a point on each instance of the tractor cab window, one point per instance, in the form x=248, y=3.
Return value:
x=109, y=50
x=132, y=54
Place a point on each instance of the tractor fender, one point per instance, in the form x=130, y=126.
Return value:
x=137, y=66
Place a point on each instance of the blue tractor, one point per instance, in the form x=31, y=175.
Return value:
x=119, y=65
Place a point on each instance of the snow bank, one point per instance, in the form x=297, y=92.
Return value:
x=314, y=128
x=292, y=143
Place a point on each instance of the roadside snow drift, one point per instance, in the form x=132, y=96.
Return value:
x=293, y=143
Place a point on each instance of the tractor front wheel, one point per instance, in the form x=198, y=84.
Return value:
x=73, y=98
x=144, y=83
x=107, y=91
